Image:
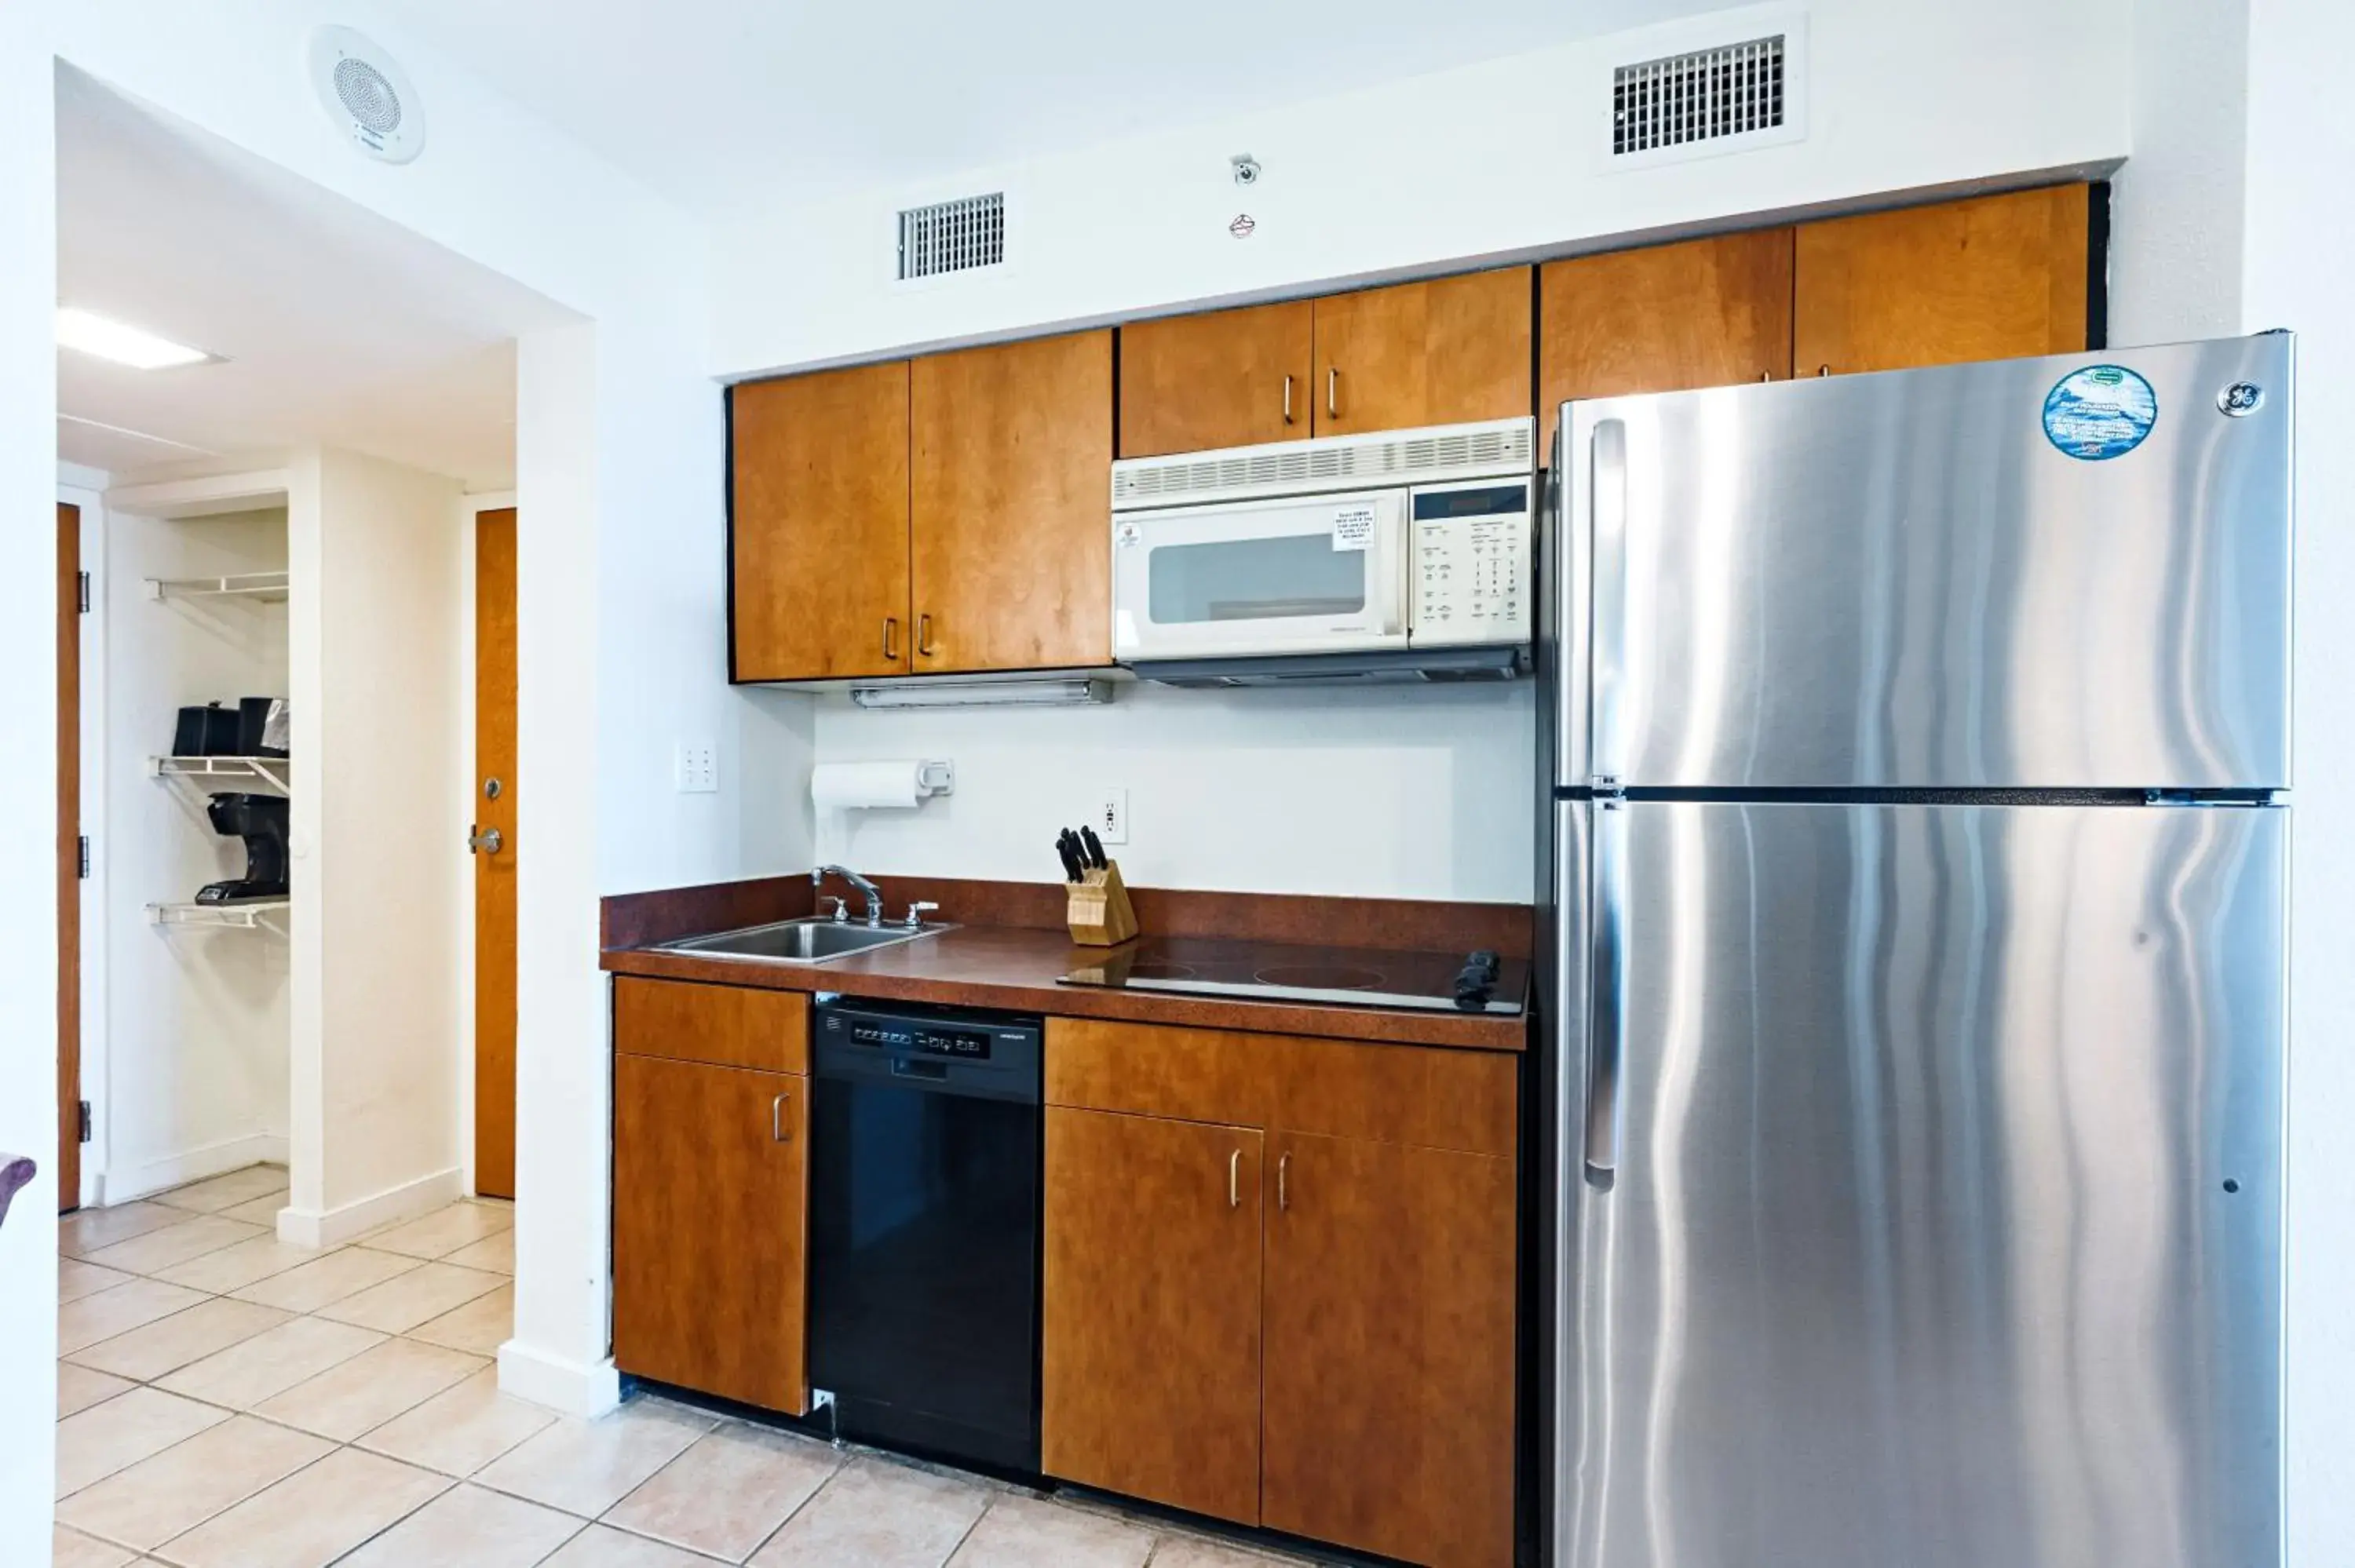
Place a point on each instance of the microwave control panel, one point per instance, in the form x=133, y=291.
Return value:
x=1469, y=564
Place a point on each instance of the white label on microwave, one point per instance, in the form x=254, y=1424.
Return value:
x=1353, y=527
x=1124, y=628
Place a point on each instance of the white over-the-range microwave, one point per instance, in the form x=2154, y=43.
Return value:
x=1401, y=555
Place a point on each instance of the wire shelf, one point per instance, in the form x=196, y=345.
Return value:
x=268, y=914
x=270, y=770
x=262, y=588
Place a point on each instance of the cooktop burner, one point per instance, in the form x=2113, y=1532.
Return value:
x=1274, y=971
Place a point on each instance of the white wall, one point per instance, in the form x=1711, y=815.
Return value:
x=2175, y=209
x=1404, y=793
x=196, y=1019
x=379, y=693
x=1490, y=161
x=2300, y=232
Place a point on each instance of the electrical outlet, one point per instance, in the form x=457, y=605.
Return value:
x=699, y=768
x=1111, y=816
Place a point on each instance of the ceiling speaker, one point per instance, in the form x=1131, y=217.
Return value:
x=366, y=94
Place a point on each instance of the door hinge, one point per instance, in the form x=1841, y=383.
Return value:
x=84, y=842
x=83, y=590
x=85, y=1121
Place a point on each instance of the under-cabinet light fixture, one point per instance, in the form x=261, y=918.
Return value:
x=87, y=332
x=984, y=694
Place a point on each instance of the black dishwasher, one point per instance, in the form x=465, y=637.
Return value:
x=923, y=1274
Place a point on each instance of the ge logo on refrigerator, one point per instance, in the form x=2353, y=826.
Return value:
x=2241, y=399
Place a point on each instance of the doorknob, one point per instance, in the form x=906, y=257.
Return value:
x=490, y=843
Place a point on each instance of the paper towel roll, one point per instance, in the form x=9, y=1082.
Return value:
x=860, y=786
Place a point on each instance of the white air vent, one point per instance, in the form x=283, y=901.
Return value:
x=367, y=95
x=1699, y=96
x=952, y=236
x=1335, y=462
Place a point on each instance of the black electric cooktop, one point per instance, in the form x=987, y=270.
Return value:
x=1274, y=971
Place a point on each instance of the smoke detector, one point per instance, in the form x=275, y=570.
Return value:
x=366, y=94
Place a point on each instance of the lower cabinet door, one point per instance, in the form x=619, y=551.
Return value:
x=1151, y=1317
x=711, y=1218
x=1388, y=1391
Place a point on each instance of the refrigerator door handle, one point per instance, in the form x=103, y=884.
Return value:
x=1607, y=512
x=1606, y=1037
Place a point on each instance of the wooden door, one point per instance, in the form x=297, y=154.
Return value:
x=1011, y=542
x=1390, y=1407
x=1223, y=379
x=68, y=734
x=818, y=540
x=710, y=1228
x=1150, y=1326
x=1996, y=277
x=1705, y=313
x=494, y=871
x=1442, y=353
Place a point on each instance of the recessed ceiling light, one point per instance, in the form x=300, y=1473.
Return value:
x=111, y=339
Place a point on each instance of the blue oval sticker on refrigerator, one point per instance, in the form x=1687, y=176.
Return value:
x=2100, y=412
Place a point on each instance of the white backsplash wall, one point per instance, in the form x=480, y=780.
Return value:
x=1405, y=792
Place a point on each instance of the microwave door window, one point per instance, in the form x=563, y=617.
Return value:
x=1278, y=577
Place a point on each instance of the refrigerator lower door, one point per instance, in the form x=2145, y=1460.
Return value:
x=1931, y=1211
x=1556, y=1144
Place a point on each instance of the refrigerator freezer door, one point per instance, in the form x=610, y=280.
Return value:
x=2054, y=573
x=1945, y=1227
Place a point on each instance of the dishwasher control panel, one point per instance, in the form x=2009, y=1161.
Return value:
x=961, y=1050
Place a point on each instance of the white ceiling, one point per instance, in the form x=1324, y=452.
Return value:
x=718, y=103
x=338, y=328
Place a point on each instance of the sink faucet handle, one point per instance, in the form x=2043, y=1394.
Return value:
x=916, y=912
x=841, y=908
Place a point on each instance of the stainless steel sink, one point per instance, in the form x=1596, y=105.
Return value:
x=813, y=940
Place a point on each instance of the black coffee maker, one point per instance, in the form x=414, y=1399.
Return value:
x=261, y=822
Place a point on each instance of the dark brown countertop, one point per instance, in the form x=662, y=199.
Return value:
x=987, y=961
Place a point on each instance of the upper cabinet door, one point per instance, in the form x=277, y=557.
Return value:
x=821, y=525
x=1705, y=313
x=2000, y=277
x=1444, y=352
x=1228, y=379
x=1012, y=536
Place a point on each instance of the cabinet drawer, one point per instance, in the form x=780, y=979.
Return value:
x=1431, y=1097
x=728, y=1026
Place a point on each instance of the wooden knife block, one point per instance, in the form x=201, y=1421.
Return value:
x=1100, y=914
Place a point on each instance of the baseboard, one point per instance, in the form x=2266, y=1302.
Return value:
x=121, y=1186
x=333, y=1227
x=586, y=1389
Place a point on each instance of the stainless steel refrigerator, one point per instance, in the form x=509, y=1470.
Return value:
x=1916, y=750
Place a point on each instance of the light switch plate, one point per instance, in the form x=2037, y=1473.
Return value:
x=1110, y=822
x=699, y=768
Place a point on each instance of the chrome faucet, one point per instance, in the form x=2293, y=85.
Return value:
x=874, y=893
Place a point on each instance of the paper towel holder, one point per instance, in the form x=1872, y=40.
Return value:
x=937, y=779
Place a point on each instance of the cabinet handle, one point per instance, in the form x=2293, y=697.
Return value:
x=890, y=638
x=1823, y=370
x=1235, y=1180
x=1282, y=1181
x=1287, y=399
x=777, y=1120
x=1765, y=376
x=1332, y=392
x=924, y=635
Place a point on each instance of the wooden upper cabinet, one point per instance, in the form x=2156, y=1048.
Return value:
x=1226, y=379
x=1703, y=313
x=820, y=549
x=1387, y=1423
x=1011, y=558
x=1442, y=352
x=1996, y=277
x=710, y=1228
x=1150, y=1322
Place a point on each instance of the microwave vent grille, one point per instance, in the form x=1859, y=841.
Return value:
x=1348, y=463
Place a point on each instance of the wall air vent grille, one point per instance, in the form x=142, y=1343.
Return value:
x=1703, y=95
x=1343, y=463
x=952, y=236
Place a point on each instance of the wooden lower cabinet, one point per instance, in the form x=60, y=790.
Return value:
x=1387, y=1421
x=710, y=1228
x=1150, y=1322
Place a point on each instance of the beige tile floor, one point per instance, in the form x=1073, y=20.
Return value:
x=227, y=1401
